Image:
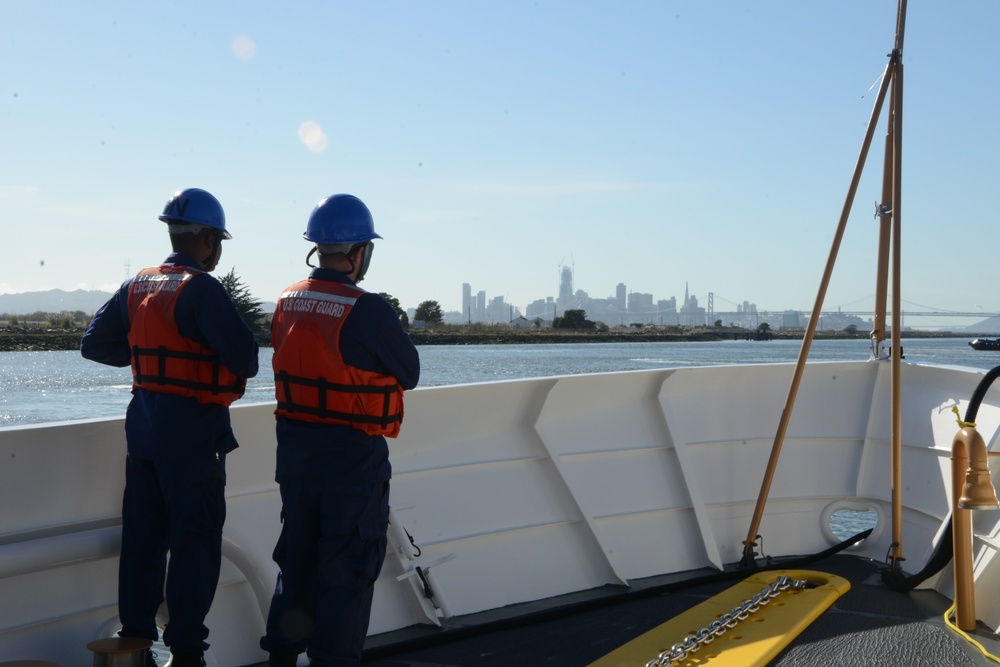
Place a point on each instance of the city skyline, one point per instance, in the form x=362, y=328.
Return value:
x=632, y=307
x=627, y=307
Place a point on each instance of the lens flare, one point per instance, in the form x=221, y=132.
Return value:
x=312, y=136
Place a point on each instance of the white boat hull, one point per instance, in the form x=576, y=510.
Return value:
x=518, y=491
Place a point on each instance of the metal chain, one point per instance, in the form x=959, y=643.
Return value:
x=681, y=650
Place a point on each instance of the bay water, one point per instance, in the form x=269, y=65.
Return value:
x=37, y=387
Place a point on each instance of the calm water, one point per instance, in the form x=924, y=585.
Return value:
x=53, y=386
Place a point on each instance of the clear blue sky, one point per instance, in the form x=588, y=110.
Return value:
x=651, y=143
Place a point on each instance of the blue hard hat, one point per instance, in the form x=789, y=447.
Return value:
x=340, y=220
x=195, y=206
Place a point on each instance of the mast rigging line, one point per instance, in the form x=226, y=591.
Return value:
x=891, y=175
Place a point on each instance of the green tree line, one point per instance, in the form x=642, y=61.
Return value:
x=67, y=319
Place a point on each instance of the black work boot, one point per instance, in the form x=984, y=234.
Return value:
x=148, y=658
x=186, y=659
x=282, y=659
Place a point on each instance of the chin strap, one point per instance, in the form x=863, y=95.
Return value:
x=364, y=266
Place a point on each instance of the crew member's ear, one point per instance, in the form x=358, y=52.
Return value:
x=208, y=240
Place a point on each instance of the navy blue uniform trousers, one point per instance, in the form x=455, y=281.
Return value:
x=331, y=550
x=162, y=512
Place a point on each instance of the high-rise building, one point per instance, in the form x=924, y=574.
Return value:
x=640, y=302
x=691, y=314
x=466, y=302
x=666, y=311
x=566, y=287
x=539, y=308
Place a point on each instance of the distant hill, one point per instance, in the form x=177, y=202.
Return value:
x=53, y=301
x=991, y=325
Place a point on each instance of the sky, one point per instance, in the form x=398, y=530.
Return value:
x=660, y=144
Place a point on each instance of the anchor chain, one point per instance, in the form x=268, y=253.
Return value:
x=692, y=643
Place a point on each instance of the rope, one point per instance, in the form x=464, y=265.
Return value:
x=966, y=636
x=958, y=418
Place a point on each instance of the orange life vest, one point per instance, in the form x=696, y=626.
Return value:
x=312, y=382
x=162, y=359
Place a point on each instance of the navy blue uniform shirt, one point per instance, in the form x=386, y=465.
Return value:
x=167, y=426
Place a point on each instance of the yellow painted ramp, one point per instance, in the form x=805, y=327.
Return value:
x=752, y=643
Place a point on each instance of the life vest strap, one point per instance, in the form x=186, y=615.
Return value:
x=323, y=387
x=161, y=354
x=342, y=416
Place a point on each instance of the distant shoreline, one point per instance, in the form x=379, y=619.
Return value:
x=51, y=341
x=44, y=341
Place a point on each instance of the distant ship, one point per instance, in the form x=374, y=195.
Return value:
x=990, y=344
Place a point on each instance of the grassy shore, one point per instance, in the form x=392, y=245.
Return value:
x=46, y=340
